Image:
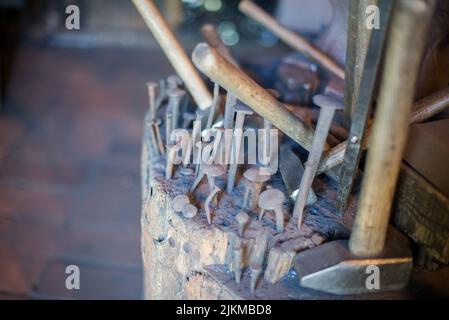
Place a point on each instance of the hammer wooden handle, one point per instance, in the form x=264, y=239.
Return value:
x=403, y=57
x=291, y=38
x=211, y=63
x=174, y=52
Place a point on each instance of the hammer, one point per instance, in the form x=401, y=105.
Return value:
x=372, y=244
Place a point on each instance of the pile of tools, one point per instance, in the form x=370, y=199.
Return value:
x=203, y=139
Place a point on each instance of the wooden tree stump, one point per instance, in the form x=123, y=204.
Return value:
x=190, y=259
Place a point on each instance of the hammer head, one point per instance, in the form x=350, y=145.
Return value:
x=333, y=269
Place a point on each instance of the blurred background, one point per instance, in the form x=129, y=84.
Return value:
x=71, y=115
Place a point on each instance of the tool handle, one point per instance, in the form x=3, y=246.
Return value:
x=411, y=20
x=174, y=52
x=291, y=38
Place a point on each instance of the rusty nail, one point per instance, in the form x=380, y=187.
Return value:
x=257, y=178
x=161, y=95
x=152, y=86
x=260, y=246
x=172, y=149
x=211, y=171
x=187, y=118
x=208, y=202
x=174, y=97
x=256, y=271
x=199, y=145
x=231, y=101
x=189, y=210
x=156, y=123
x=237, y=252
x=152, y=132
x=272, y=199
x=168, y=127
x=179, y=201
x=213, y=107
x=241, y=111
x=173, y=82
x=242, y=219
x=328, y=106
x=217, y=151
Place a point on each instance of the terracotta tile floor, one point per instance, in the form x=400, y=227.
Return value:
x=70, y=136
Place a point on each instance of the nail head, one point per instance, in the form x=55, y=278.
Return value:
x=189, y=210
x=256, y=175
x=271, y=199
x=179, y=201
x=327, y=101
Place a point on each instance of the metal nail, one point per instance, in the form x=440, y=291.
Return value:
x=257, y=178
x=267, y=126
x=292, y=170
x=168, y=127
x=231, y=101
x=242, y=219
x=213, y=195
x=256, y=271
x=328, y=106
x=241, y=111
x=200, y=145
x=237, y=253
x=174, y=97
x=187, y=118
x=152, y=132
x=214, y=106
x=161, y=95
x=172, y=150
x=211, y=171
x=179, y=201
x=189, y=211
x=152, y=86
x=160, y=144
x=173, y=82
x=217, y=152
x=259, y=247
x=272, y=199
x=196, y=140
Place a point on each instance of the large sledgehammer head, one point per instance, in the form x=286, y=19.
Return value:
x=333, y=269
